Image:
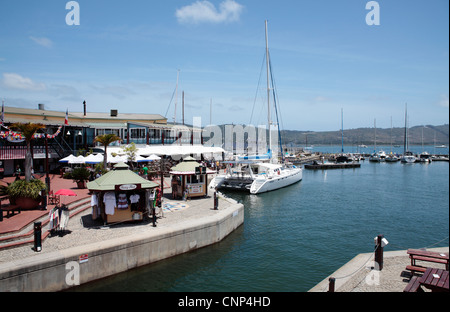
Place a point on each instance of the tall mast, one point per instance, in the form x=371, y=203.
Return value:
x=268, y=88
x=342, y=128
x=176, y=99
x=405, y=145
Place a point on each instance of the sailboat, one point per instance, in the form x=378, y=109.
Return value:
x=391, y=157
x=259, y=173
x=407, y=157
x=380, y=155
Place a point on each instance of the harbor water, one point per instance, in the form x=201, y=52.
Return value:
x=295, y=237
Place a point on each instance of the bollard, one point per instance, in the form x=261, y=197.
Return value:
x=37, y=236
x=332, y=282
x=379, y=252
x=154, y=216
x=216, y=201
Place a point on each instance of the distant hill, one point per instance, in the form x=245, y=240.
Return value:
x=431, y=135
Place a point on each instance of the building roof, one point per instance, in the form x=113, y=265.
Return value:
x=48, y=117
x=121, y=175
x=187, y=167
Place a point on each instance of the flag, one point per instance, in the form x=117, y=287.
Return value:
x=66, y=121
x=3, y=113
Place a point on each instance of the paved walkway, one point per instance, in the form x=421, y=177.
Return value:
x=358, y=274
x=18, y=221
x=82, y=230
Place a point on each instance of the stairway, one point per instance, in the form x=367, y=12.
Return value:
x=25, y=236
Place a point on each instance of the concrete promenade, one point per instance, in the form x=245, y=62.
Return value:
x=358, y=274
x=183, y=226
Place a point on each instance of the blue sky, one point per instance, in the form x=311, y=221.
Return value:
x=125, y=56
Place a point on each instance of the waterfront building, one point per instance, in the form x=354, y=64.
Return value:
x=77, y=135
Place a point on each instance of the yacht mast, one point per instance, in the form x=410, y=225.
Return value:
x=268, y=89
x=176, y=100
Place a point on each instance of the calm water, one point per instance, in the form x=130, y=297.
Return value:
x=295, y=237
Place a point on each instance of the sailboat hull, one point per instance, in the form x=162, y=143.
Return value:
x=263, y=184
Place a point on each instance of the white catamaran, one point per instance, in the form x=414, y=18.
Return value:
x=258, y=173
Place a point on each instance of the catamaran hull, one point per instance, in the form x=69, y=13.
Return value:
x=266, y=185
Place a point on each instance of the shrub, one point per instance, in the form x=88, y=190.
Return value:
x=22, y=188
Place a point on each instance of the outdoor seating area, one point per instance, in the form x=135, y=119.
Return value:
x=7, y=207
x=434, y=279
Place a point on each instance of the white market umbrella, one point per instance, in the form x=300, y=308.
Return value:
x=93, y=159
x=67, y=159
x=140, y=159
x=77, y=160
x=116, y=159
x=153, y=157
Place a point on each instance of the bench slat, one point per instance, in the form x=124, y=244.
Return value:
x=413, y=285
x=416, y=268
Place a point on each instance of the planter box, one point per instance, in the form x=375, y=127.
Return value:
x=26, y=203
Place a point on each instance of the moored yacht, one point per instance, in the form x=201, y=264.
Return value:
x=378, y=156
x=408, y=158
x=250, y=173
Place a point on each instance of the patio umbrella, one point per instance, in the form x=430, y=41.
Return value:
x=116, y=159
x=65, y=192
x=153, y=157
x=140, y=159
x=77, y=160
x=67, y=159
x=93, y=159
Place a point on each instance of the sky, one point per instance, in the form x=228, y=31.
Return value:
x=365, y=59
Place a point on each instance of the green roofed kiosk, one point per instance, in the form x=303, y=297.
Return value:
x=189, y=179
x=120, y=195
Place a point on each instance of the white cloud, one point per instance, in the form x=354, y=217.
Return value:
x=444, y=101
x=205, y=11
x=42, y=41
x=16, y=81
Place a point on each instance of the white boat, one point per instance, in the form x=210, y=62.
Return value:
x=379, y=156
x=425, y=157
x=391, y=158
x=275, y=177
x=408, y=158
x=249, y=173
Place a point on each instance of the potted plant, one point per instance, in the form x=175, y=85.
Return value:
x=80, y=176
x=26, y=194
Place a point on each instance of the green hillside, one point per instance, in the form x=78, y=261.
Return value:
x=431, y=135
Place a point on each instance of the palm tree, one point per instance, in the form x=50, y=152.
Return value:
x=28, y=130
x=105, y=140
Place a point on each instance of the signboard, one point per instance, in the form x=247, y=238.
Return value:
x=195, y=188
x=200, y=170
x=128, y=187
x=83, y=258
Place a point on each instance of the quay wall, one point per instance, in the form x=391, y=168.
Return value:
x=60, y=270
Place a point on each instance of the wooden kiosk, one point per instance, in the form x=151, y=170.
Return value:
x=189, y=178
x=120, y=195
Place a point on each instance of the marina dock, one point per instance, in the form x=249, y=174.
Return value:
x=324, y=166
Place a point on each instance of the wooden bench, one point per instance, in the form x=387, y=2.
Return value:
x=413, y=285
x=10, y=208
x=428, y=256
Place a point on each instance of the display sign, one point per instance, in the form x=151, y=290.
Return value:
x=195, y=188
x=128, y=187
